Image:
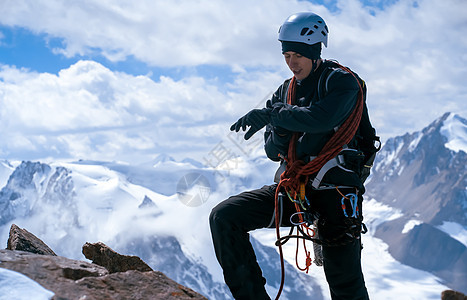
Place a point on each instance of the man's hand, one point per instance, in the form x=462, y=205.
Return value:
x=256, y=119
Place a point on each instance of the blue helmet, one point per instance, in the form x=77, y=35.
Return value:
x=304, y=27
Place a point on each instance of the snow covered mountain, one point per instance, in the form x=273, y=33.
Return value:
x=143, y=210
x=424, y=175
x=71, y=203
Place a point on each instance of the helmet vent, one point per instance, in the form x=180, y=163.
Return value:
x=306, y=31
x=306, y=27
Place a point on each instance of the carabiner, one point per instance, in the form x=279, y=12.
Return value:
x=353, y=199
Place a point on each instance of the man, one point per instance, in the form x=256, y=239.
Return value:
x=299, y=123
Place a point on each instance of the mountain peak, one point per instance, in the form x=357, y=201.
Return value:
x=162, y=158
x=430, y=162
x=454, y=128
x=424, y=175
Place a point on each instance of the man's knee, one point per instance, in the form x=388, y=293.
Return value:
x=221, y=216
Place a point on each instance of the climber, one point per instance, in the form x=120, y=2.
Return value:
x=299, y=124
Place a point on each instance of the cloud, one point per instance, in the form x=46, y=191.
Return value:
x=182, y=33
x=412, y=55
x=89, y=111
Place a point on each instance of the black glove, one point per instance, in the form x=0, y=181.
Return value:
x=256, y=119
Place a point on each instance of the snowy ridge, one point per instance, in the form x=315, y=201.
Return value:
x=455, y=230
x=424, y=175
x=455, y=130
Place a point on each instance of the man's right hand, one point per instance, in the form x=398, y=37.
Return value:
x=255, y=119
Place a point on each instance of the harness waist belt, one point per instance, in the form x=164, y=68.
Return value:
x=337, y=161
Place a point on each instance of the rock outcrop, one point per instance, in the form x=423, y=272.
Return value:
x=21, y=239
x=127, y=277
x=452, y=295
x=102, y=255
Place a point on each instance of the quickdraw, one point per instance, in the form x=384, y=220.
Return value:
x=302, y=200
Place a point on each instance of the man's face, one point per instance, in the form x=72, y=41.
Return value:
x=300, y=65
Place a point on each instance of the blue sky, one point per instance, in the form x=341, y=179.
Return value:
x=195, y=68
x=25, y=48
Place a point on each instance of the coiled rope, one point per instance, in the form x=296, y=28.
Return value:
x=297, y=171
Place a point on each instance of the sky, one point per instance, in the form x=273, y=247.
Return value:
x=128, y=80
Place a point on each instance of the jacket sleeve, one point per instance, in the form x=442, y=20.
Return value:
x=325, y=114
x=276, y=139
x=276, y=142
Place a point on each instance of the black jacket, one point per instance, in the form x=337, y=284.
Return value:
x=314, y=118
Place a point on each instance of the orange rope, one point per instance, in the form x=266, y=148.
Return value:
x=297, y=170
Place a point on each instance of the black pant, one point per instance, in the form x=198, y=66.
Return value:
x=232, y=219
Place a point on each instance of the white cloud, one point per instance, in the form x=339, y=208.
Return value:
x=411, y=53
x=89, y=111
x=159, y=32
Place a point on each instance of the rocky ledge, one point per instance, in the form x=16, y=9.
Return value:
x=109, y=276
